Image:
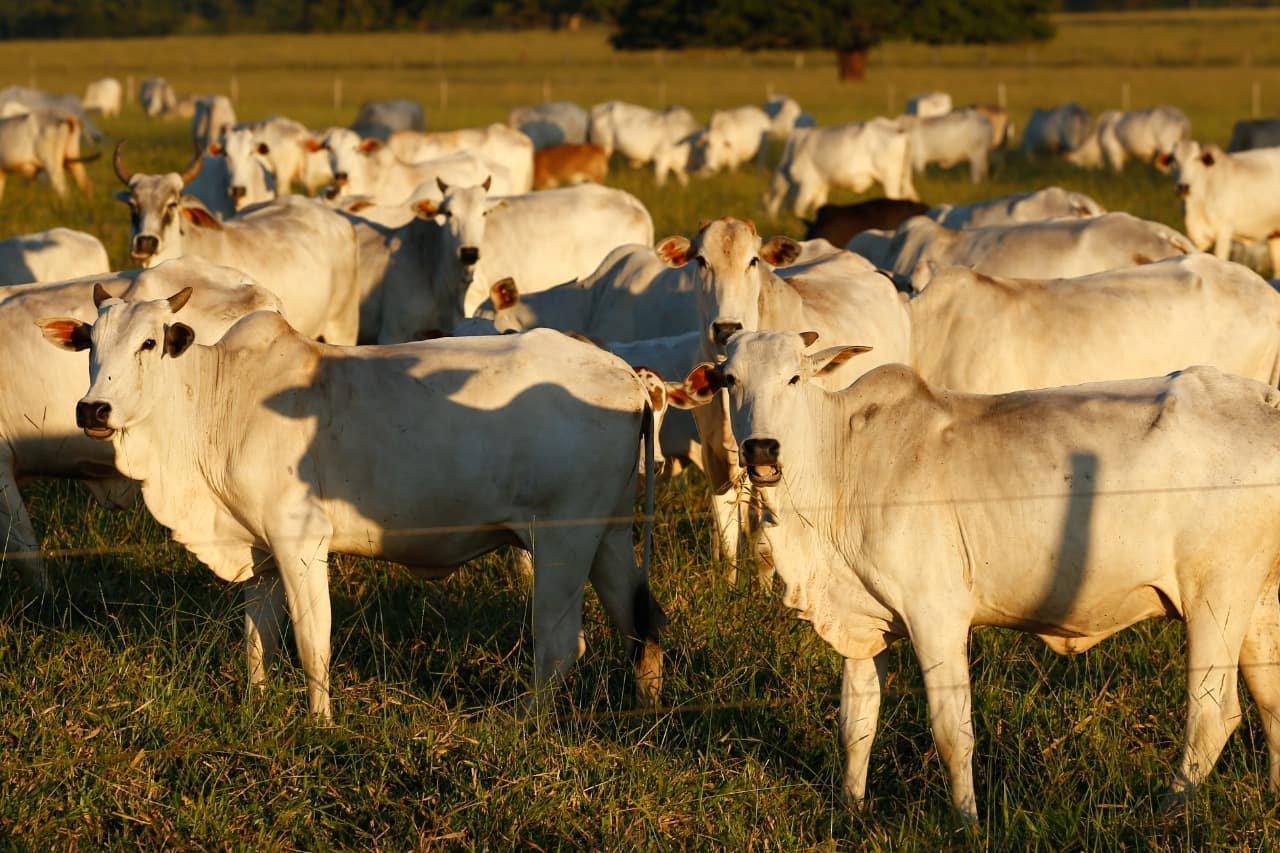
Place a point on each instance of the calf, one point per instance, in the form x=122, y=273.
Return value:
x=561, y=165
x=839, y=223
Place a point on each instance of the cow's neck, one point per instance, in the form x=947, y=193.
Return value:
x=781, y=307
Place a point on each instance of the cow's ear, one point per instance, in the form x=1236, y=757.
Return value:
x=779, y=251
x=504, y=294
x=177, y=338
x=674, y=250
x=370, y=146
x=425, y=208
x=699, y=387
x=656, y=387
x=125, y=196
x=312, y=144
x=829, y=359
x=808, y=338
x=214, y=149
x=65, y=333
x=199, y=215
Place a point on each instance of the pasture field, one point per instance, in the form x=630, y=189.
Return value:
x=123, y=712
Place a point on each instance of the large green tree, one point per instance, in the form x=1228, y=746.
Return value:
x=849, y=27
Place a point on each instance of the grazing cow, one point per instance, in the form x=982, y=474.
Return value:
x=552, y=124
x=1054, y=247
x=681, y=157
x=38, y=433
x=562, y=165
x=961, y=136
x=839, y=223
x=1001, y=126
x=496, y=143
x=302, y=251
x=929, y=104
x=986, y=335
x=1055, y=131
x=157, y=97
x=785, y=115
x=213, y=118
x=1033, y=206
x=1254, y=133
x=43, y=141
x=17, y=100
x=735, y=137
x=1146, y=135
x=636, y=132
x=909, y=511
x=853, y=155
x=368, y=167
x=380, y=119
x=303, y=453
x=105, y=96
x=1222, y=196
x=250, y=177
x=52, y=255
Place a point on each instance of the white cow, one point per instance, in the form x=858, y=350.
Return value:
x=680, y=158
x=1146, y=135
x=1055, y=131
x=551, y=124
x=43, y=141
x=785, y=115
x=38, y=432
x=105, y=96
x=1032, y=206
x=1054, y=247
x=314, y=462
x=157, y=97
x=637, y=132
x=52, y=255
x=929, y=104
x=496, y=143
x=250, y=176
x=1227, y=196
x=853, y=155
x=368, y=167
x=978, y=333
x=962, y=136
x=909, y=511
x=737, y=136
x=213, y=118
x=300, y=249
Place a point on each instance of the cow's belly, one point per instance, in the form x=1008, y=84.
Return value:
x=431, y=547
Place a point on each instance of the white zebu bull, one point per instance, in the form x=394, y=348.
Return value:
x=735, y=137
x=213, y=119
x=1225, y=196
x=1033, y=206
x=986, y=335
x=908, y=511
x=1055, y=131
x=43, y=141
x=929, y=104
x=38, y=433
x=1053, y=247
x=248, y=175
x=380, y=119
x=52, y=255
x=551, y=124
x=1144, y=135
x=785, y=115
x=637, y=132
x=961, y=136
x=303, y=449
x=300, y=249
x=367, y=167
x=157, y=97
x=105, y=96
x=853, y=155
x=496, y=143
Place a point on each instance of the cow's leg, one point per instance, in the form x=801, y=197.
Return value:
x=941, y=644
x=264, y=612
x=1260, y=663
x=17, y=535
x=562, y=560
x=1215, y=635
x=808, y=194
x=1273, y=248
x=1222, y=244
x=779, y=188
x=624, y=593
x=724, y=509
x=80, y=176
x=299, y=540
x=859, y=713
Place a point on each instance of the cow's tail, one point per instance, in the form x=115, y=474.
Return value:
x=647, y=613
x=646, y=433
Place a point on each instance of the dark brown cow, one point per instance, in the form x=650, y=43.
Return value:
x=838, y=223
x=569, y=164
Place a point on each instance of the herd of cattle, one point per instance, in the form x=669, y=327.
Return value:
x=436, y=356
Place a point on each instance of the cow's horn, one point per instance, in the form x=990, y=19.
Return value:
x=121, y=172
x=193, y=169
x=179, y=299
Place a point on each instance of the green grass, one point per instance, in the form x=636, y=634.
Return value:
x=123, y=711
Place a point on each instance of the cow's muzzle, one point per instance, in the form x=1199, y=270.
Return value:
x=1182, y=190
x=469, y=255
x=144, y=246
x=760, y=457
x=92, y=416
x=721, y=331
x=238, y=193
x=340, y=179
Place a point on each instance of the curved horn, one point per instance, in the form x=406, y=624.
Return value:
x=179, y=299
x=193, y=168
x=100, y=294
x=118, y=161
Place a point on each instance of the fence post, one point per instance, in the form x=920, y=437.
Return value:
x=1124, y=95
x=1002, y=95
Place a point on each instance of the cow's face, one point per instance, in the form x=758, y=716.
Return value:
x=349, y=160
x=248, y=168
x=462, y=212
x=729, y=261
x=1191, y=165
x=155, y=210
x=766, y=376
x=128, y=345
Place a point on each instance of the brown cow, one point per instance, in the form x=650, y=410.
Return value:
x=569, y=164
x=839, y=223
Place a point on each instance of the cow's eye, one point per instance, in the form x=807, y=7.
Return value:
x=149, y=343
x=795, y=380
x=753, y=263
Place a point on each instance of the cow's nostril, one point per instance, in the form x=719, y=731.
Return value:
x=721, y=332
x=101, y=412
x=145, y=244
x=469, y=254
x=238, y=192
x=761, y=451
